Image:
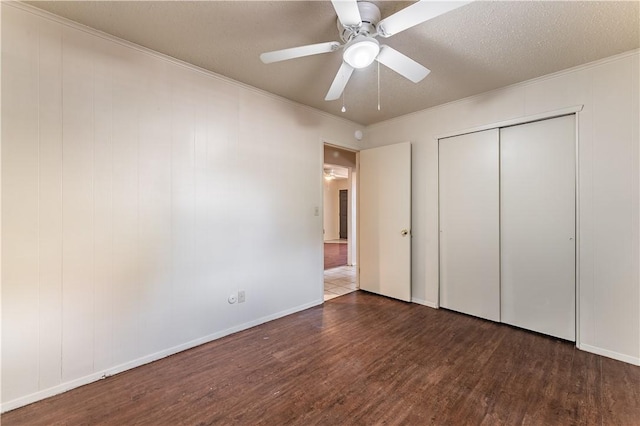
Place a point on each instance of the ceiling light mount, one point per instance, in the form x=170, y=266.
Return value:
x=369, y=15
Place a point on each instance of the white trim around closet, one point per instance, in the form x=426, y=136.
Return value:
x=514, y=121
x=575, y=109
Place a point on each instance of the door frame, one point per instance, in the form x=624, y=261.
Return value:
x=345, y=211
x=352, y=241
x=571, y=110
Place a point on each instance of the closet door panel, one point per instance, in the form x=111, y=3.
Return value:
x=469, y=224
x=537, y=213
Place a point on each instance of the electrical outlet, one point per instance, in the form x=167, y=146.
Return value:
x=241, y=297
x=232, y=298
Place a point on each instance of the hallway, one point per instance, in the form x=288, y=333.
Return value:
x=339, y=281
x=335, y=254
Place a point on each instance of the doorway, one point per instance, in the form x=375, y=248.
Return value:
x=344, y=194
x=339, y=221
x=383, y=220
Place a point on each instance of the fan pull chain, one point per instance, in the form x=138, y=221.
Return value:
x=344, y=109
x=378, y=86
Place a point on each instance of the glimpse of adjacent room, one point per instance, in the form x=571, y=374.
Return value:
x=339, y=222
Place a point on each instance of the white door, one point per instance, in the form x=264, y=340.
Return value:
x=538, y=226
x=470, y=223
x=385, y=221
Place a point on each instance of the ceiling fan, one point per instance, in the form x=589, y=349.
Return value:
x=359, y=25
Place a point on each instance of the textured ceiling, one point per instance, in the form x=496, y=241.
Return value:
x=473, y=49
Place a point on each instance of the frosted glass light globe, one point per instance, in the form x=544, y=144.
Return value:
x=361, y=53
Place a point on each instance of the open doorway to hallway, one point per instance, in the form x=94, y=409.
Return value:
x=339, y=221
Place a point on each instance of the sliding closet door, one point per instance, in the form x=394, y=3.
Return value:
x=469, y=224
x=537, y=213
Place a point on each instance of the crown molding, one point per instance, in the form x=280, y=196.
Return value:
x=80, y=27
x=525, y=83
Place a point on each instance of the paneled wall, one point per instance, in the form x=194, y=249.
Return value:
x=137, y=194
x=608, y=188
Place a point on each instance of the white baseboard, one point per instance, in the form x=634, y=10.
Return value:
x=424, y=302
x=610, y=354
x=81, y=381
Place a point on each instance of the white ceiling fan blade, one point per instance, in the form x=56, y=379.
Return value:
x=299, y=52
x=348, y=13
x=415, y=14
x=402, y=64
x=339, y=83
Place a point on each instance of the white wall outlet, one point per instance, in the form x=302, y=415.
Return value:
x=232, y=298
x=241, y=297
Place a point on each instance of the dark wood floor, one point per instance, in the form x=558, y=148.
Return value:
x=361, y=359
x=335, y=255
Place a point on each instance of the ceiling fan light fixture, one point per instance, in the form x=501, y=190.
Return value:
x=329, y=174
x=361, y=52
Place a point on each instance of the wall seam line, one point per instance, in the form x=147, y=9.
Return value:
x=93, y=205
x=62, y=205
x=38, y=218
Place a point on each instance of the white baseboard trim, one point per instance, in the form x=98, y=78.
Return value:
x=72, y=384
x=610, y=354
x=424, y=302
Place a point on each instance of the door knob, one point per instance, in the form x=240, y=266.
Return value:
x=404, y=232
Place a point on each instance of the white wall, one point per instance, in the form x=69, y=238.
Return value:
x=329, y=223
x=137, y=194
x=352, y=220
x=609, y=286
x=332, y=207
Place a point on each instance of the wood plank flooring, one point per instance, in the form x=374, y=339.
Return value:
x=335, y=255
x=361, y=359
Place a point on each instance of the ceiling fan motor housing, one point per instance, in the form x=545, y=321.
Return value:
x=370, y=16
